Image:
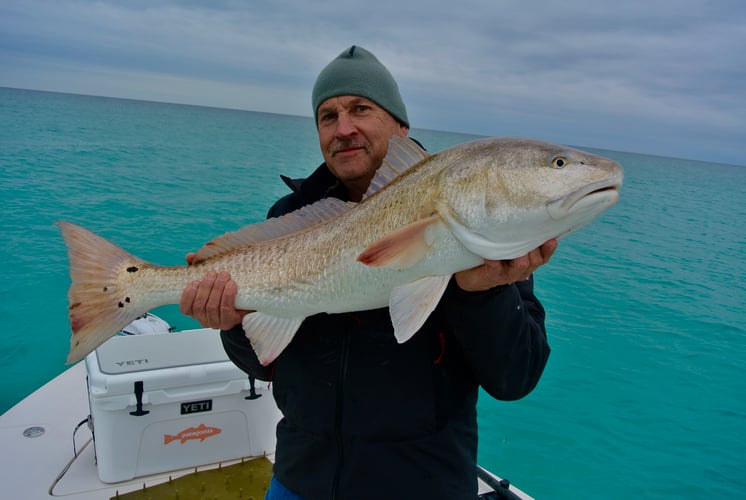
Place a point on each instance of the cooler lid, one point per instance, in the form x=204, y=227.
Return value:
x=137, y=353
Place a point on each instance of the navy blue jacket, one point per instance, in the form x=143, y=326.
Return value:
x=366, y=417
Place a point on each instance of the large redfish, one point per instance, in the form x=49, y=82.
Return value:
x=423, y=219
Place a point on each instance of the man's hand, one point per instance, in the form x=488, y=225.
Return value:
x=211, y=301
x=504, y=272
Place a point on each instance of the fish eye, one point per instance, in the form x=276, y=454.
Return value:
x=559, y=162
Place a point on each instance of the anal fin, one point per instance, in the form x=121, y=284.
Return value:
x=269, y=335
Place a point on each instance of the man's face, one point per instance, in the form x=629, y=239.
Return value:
x=354, y=135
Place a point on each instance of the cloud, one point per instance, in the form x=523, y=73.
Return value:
x=660, y=77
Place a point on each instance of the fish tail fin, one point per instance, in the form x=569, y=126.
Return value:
x=101, y=296
x=167, y=438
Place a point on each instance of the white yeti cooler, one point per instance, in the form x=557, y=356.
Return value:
x=174, y=400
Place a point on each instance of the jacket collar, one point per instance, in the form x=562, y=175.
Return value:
x=320, y=184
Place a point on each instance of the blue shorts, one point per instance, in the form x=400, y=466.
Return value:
x=277, y=491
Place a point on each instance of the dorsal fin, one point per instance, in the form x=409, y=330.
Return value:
x=301, y=219
x=402, y=154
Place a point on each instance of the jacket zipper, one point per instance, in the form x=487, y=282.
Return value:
x=339, y=412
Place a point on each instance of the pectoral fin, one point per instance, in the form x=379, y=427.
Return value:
x=269, y=335
x=410, y=305
x=402, y=248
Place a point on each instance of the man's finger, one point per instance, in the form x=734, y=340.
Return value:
x=215, y=298
x=186, y=304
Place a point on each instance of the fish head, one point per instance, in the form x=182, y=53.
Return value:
x=503, y=197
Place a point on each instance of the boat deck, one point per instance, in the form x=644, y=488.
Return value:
x=58, y=408
x=37, y=436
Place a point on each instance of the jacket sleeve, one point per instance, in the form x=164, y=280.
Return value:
x=501, y=332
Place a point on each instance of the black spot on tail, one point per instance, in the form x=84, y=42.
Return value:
x=132, y=269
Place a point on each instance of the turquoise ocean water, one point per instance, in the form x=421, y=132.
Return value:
x=644, y=395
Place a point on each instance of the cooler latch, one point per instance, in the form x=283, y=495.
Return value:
x=252, y=389
x=139, y=412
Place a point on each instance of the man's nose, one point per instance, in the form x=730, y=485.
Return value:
x=345, y=125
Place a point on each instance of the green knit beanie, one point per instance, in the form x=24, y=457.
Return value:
x=357, y=72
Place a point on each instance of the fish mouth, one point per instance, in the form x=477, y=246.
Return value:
x=598, y=196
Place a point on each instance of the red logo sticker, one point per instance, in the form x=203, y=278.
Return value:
x=201, y=432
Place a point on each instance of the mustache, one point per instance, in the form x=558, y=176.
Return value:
x=348, y=144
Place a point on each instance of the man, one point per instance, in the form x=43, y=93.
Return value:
x=364, y=416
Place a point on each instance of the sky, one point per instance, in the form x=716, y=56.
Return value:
x=662, y=77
